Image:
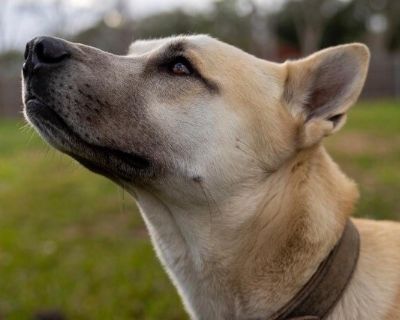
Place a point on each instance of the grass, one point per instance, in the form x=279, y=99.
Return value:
x=72, y=241
x=368, y=150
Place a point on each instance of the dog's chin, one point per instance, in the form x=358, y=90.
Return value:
x=117, y=165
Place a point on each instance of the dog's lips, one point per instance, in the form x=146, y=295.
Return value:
x=109, y=162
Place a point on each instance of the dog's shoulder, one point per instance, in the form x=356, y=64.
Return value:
x=381, y=230
x=379, y=264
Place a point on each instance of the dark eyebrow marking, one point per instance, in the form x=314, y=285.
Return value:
x=172, y=51
x=177, y=50
x=176, y=47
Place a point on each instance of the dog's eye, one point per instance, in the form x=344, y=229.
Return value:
x=180, y=69
x=179, y=66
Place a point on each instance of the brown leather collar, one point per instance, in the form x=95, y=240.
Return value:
x=321, y=293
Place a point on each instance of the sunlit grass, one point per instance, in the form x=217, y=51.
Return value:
x=71, y=241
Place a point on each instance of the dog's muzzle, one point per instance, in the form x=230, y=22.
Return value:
x=49, y=96
x=44, y=52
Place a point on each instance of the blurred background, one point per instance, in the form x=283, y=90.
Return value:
x=72, y=244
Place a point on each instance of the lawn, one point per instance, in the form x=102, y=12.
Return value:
x=73, y=242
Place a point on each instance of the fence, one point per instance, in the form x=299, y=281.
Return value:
x=383, y=79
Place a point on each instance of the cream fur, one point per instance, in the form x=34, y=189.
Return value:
x=249, y=203
x=246, y=255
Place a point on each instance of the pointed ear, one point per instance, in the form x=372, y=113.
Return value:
x=322, y=87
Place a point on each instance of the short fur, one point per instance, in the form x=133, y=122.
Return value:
x=241, y=200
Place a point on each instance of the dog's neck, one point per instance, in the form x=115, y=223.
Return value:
x=246, y=258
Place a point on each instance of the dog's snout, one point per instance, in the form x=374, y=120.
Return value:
x=44, y=51
x=51, y=50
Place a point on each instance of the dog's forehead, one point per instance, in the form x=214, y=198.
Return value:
x=199, y=42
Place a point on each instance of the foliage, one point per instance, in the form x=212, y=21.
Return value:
x=332, y=22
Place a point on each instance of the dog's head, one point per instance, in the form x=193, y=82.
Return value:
x=183, y=111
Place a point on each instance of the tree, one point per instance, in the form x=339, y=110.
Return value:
x=310, y=18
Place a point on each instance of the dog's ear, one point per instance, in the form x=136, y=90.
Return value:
x=322, y=87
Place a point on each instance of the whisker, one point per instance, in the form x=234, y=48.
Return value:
x=29, y=140
x=25, y=127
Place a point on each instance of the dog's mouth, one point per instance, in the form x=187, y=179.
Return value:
x=112, y=163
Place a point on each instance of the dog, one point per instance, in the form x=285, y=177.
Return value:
x=223, y=153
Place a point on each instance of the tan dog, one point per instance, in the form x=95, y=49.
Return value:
x=223, y=154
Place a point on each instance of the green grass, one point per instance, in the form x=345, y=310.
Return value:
x=72, y=241
x=368, y=150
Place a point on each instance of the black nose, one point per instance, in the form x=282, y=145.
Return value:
x=44, y=51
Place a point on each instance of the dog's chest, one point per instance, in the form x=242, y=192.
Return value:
x=199, y=283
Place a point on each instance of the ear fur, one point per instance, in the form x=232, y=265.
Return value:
x=320, y=89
